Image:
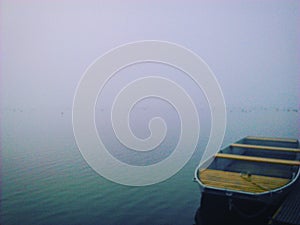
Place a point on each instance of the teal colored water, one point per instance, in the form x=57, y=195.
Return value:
x=45, y=180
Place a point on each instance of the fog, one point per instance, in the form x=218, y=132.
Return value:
x=46, y=46
x=251, y=46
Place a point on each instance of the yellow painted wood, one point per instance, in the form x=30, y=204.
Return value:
x=236, y=181
x=261, y=147
x=258, y=159
x=272, y=139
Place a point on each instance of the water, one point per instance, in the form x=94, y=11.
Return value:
x=45, y=180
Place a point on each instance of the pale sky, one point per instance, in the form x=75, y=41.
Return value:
x=252, y=47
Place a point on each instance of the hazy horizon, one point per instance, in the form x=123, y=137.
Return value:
x=252, y=47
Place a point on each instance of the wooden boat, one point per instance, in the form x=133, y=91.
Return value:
x=251, y=175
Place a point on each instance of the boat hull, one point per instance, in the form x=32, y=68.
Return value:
x=238, y=198
x=219, y=209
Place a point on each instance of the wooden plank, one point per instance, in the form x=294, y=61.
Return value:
x=236, y=181
x=258, y=159
x=246, y=186
x=272, y=139
x=261, y=147
x=232, y=186
x=222, y=176
x=222, y=173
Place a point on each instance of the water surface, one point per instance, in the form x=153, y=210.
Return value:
x=45, y=180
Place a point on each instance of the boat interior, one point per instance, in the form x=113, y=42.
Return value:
x=253, y=165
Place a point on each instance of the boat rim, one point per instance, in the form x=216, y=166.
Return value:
x=243, y=192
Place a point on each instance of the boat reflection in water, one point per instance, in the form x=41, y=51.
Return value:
x=245, y=182
x=216, y=211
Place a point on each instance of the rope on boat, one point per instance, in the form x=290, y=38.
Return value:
x=247, y=177
x=247, y=215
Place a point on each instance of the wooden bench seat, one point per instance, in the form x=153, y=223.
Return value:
x=261, y=147
x=272, y=139
x=236, y=181
x=258, y=159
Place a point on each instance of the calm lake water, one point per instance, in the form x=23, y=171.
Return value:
x=45, y=180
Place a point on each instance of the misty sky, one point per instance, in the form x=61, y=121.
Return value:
x=252, y=47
